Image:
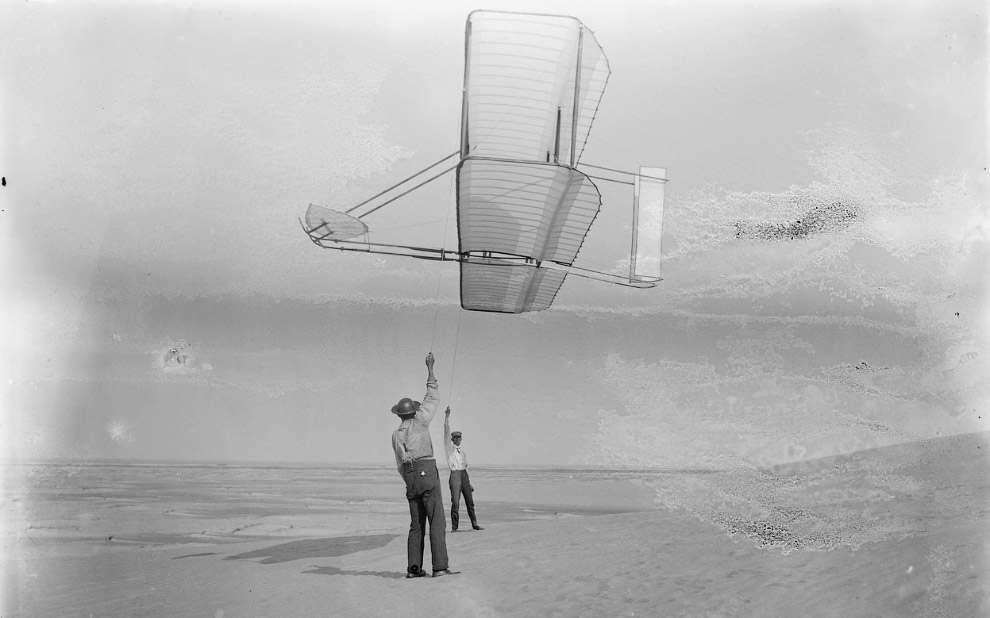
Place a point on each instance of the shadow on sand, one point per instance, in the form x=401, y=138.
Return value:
x=316, y=548
x=209, y=553
x=329, y=570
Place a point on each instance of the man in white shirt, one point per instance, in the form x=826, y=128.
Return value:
x=459, y=481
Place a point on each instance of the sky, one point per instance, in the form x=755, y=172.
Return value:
x=825, y=235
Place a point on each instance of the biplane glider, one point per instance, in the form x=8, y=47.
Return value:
x=532, y=87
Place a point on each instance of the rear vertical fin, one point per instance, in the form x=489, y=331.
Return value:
x=647, y=223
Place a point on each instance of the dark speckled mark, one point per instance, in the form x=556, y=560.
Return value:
x=820, y=219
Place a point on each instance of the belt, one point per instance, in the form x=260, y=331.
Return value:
x=426, y=463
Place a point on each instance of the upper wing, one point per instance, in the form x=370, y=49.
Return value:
x=532, y=85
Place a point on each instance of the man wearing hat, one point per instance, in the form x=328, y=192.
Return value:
x=459, y=481
x=414, y=458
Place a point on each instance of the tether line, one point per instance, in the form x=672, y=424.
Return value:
x=443, y=245
x=453, y=361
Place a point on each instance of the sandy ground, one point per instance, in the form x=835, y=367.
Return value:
x=901, y=531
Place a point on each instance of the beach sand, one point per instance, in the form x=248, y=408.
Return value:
x=897, y=531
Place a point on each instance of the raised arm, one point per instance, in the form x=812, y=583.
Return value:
x=448, y=442
x=431, y=401
x=429, y=367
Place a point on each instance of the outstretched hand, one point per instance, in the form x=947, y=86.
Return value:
x=429, y=361
x=447, y=411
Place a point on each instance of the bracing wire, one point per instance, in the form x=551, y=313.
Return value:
x=404, y=193
x=401, y=182
x=621, y=182
x=610, y=169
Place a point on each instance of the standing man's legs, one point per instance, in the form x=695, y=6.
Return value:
x=455, y=498
x=469, y=497
x=433, y=506
x=417, y=534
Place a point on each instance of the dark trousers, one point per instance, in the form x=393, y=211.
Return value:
x=461, y=484
x=425, y=504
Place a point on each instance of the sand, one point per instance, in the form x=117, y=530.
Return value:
x=899, y=531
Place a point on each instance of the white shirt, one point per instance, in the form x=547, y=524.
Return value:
x=456, y=458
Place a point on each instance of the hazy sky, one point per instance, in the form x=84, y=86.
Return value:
x=825, y=235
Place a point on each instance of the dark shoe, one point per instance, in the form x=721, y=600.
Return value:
x=443, y=572
x=453, y=529
x=415, y=572
x=477, y=527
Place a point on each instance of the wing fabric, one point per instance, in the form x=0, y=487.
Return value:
x=537, y=211
x=505, y=287
x=325, y=224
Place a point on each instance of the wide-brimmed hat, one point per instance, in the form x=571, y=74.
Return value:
x=455, y=434
x=405, y=406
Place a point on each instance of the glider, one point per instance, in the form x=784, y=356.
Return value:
x=532, y=87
